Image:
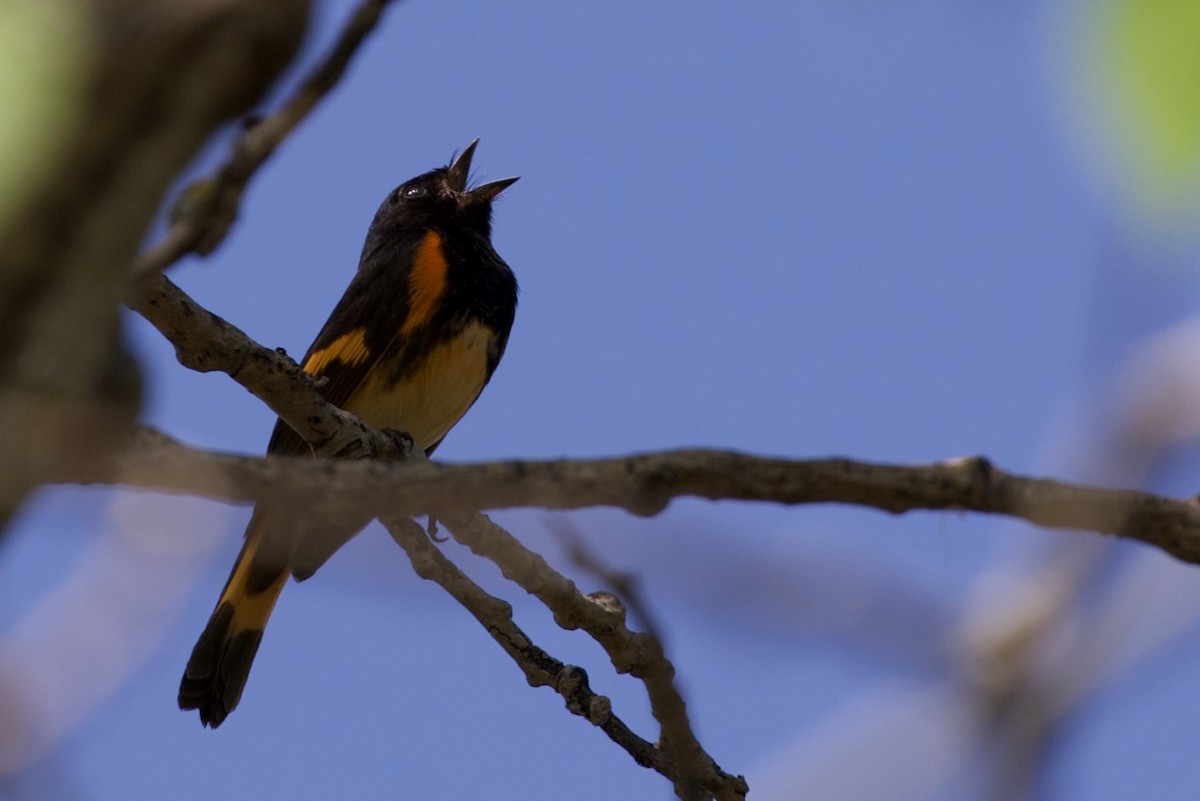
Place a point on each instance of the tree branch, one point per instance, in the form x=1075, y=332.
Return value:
x=205, y=342
x=679, y=758
x=645, y=483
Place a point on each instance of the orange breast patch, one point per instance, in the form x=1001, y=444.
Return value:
x=426, y=283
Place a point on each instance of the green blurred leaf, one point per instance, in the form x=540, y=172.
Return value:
x=1146, y=57
x=45, y=54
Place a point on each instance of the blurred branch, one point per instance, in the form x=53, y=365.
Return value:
x=1021, y=687
x=644, y=484
x=141, y=86
x=1048, y=629
x=1053, y=629
x=95, y=628
x=625, y=585
x=208, y=207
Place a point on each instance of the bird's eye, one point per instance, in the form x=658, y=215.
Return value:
x=410, y=192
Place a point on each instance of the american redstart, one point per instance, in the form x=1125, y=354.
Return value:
x=409, y=347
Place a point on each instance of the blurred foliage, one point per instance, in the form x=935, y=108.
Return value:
x=45, y=52
x=1142, y=57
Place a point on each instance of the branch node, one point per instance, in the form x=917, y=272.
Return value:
x=656, y=490
x=608, y=602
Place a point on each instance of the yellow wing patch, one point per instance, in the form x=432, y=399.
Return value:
x=429, y=401
x=350, y=349
x=426, y=283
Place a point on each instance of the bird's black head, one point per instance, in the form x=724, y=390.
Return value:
x=439, y=200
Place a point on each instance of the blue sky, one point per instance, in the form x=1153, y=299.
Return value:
x=792, y=228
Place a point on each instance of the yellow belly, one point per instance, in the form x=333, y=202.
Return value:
x=427, y=403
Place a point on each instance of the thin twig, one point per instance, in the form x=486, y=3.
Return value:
x=693, y=779
x=541, y=669
x=697, y=775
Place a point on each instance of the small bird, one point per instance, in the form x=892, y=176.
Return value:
x=409, y=347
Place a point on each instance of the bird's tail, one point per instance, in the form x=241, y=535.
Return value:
x=220, y=663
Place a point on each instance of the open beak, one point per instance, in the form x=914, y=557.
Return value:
x=458, y=173
x=487, y=192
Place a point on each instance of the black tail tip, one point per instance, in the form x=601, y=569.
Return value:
x=216, y=674
x=195, y=695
